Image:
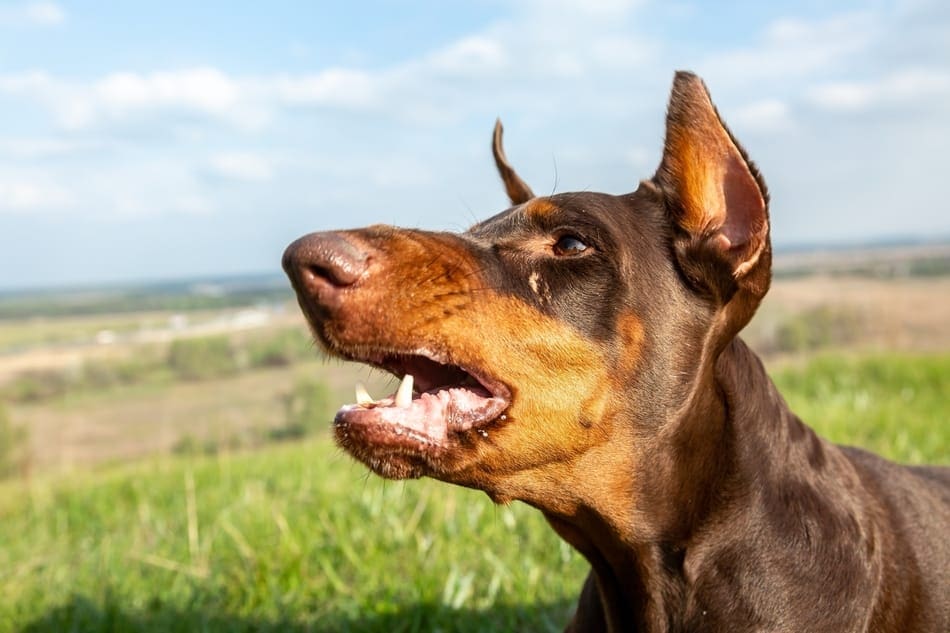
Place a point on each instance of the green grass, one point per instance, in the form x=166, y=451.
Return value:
x=298, y=538
x=294, y=538
x=892, y=404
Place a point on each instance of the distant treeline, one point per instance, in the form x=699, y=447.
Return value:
x=177, y=297
x=883, y=268
x=188, y=359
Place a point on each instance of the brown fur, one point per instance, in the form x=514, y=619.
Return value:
x=649, y=435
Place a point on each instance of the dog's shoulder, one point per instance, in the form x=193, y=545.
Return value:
x=930, y=483
x=914, y=503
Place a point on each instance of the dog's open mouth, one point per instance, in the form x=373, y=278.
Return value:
x=434, y=400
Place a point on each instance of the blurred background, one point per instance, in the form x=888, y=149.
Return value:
x=164, y=456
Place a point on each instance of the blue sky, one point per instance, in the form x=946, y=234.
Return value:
x=164, y=140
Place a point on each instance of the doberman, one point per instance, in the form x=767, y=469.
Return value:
x=579, y=352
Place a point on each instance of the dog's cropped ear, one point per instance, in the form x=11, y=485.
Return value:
x=518, y=190
x=712, y=190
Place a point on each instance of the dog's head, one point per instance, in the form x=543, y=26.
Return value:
x=559, y=327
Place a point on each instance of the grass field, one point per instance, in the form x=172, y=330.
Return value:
x=294, y=538
x=297, y=538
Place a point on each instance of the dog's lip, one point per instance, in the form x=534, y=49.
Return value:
x=439, y=413
x=385, y=359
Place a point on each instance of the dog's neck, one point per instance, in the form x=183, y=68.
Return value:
x=709, y=456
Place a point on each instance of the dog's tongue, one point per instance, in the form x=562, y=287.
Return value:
x=426, y=417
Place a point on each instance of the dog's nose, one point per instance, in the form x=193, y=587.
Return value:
x=321, y=260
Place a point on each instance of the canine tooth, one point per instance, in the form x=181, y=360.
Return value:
x=362, y=396
x=404, y=395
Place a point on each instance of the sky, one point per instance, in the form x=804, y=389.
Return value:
x=155, y=141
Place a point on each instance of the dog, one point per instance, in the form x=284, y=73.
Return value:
x=579, y=352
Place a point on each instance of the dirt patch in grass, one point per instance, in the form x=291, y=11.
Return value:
x=911, y=315
x=128, y=423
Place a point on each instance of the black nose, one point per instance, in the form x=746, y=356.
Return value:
x=323, y=261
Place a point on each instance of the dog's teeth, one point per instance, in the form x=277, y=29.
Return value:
x=362, y=396
x=404, y=395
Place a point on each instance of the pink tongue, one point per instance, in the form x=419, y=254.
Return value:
x=431, y=415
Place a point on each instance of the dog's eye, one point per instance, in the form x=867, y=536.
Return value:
x=568, y=245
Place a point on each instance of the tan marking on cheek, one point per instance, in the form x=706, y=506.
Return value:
x=533, y=282
x=539, y=287
x=630, y=333
x=557, y=376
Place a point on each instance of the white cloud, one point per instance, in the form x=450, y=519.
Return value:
x=506, y=61
x=149, y=186
x=338, y=87
x=39, y=148
x=472, y=55
x=841, y=95
x=765, y=115
x=25, y=196
x=125, y=96
x=902, y=87
x=793, y=48
x=32, y=13
x=45, y=13
x=242, y=166
x=530, y=55
x=29, y=83
x=591, y=8
x=206, y=89
x=579, y=75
